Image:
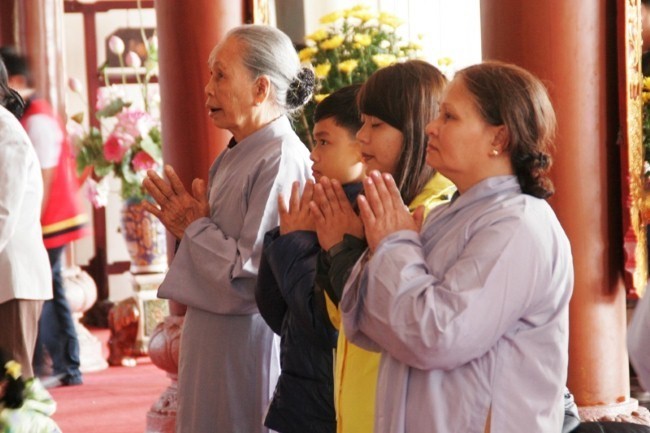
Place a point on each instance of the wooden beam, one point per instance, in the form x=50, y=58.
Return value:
x=105, y=5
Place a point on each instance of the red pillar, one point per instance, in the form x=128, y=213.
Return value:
x=39, y=25
x=571, y=46
x=7, y=26
x=187, y=32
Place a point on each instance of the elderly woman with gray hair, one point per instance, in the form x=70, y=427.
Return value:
x=227, y=366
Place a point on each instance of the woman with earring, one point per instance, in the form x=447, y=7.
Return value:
x=470, y=312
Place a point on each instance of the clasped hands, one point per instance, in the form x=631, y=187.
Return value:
x=176, y=209
x=325, y=208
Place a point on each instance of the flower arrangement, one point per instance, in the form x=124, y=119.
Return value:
x=13, y=369
x=352, y=44
x=128, y=142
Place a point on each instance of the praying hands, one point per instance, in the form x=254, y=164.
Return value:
x=382, y=210
x=333, y=214
x=297, y=216
x=176, y=209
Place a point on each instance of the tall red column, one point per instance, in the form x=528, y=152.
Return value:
x=571, y=46
x=39, y=25
x=187, y=32
x=7, y=27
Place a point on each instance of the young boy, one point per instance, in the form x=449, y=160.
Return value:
x=287, y=297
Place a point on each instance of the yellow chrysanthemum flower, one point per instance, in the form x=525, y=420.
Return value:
x=444, y=61
x=318, y=35
x=318, y=98
x=322, y=70
x=332, y=17
x=348, y=66
x=382, y=60
x=390, y=20
x=13, y=369
x=646, y=97
x=332, y=43
x=646, y=82
x=363, y=39
x=307, y=53
x=363, y=15
x=359, y=7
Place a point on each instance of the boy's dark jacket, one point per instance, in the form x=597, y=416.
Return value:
x=294, y=307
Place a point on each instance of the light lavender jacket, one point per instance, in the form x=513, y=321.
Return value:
x=471, y=316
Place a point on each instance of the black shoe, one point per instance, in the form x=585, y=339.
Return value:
x=61, y=380
x=70, y=380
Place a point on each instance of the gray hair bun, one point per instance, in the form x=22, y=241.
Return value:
x=301, y=89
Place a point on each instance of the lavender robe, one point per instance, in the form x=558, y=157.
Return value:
x=471, y=316
x=228, y=364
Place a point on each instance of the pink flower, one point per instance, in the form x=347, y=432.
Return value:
x=142, y=161
x=75, y=85
x=116, y=45
x=114, y=149
x=133, y=60
x=133, y=123
x=106, y=95
x=96, y=193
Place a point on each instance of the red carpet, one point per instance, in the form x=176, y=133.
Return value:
x=114, y=400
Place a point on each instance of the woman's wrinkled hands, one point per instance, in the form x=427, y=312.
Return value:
x=298, y=215
x=382, y=210
x=333, y=214
x=176, y=209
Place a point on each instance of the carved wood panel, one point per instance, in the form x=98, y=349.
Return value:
x=631, y=142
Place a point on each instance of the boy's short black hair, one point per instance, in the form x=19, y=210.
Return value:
x=342, y=106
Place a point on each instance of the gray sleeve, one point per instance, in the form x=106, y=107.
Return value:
x=433, y=321
x=217, y=273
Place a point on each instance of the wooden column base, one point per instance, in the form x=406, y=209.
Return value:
x=627, y=411
x=161, y=418
x=164, y=348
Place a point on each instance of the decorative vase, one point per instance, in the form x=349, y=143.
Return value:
x=145, y=238
x=81, y=294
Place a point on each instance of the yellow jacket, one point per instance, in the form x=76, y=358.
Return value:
x=355, y=374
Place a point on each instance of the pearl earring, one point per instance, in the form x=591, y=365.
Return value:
x=494, y=152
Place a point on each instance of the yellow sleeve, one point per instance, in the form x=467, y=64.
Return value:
x=437, y=191
x=333, y=312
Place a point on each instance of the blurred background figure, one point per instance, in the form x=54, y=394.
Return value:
x=25, y=279
x=61, y=218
